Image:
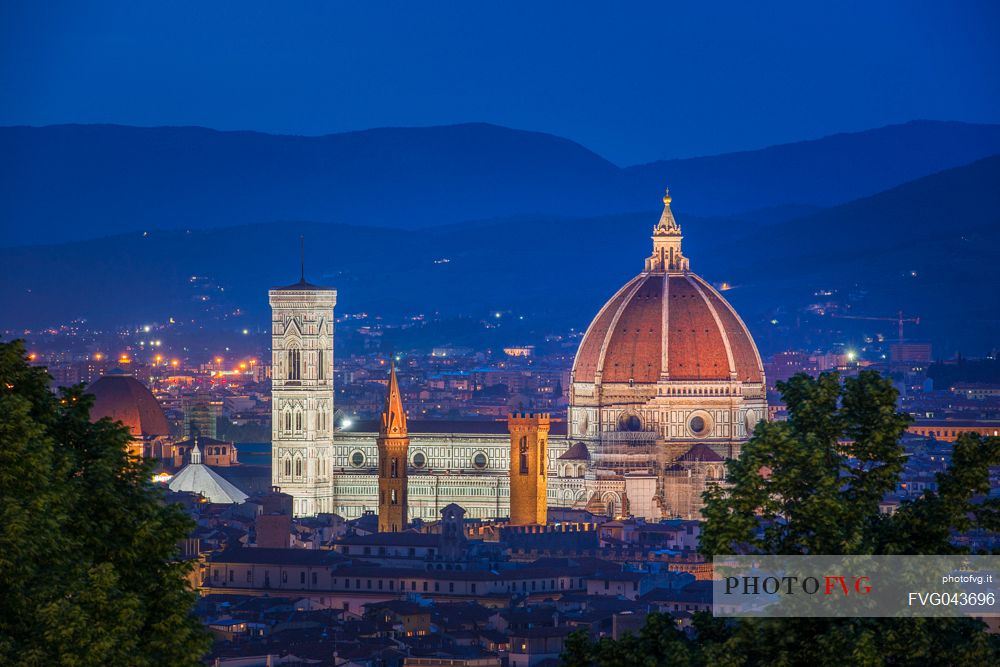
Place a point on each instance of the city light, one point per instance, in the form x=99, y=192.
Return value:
x=146, y=328
x=851, y=355
x=98, y=356
x=246, y=332
x=175, y=363
x=347, y=423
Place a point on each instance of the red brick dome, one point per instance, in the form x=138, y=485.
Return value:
x=123, y=398
x=669, y=325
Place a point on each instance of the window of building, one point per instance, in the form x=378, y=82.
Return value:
x=298, y=420
x=231, y=573
x=294, y=363
x=288, y=467
x=524, y=454
x=425, y=586
x=451, y=586
x=394, y=468
x=284, y=577
x=298, y=467
x=320, y=365
x=393, y=498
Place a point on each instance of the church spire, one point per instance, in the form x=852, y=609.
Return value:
x=393, y=417
x=667, y=256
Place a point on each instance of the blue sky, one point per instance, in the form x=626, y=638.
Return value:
x=634, y=81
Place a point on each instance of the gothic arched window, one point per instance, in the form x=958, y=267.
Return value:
x=294, y=363
x=394, y=468
x=524, y=454
x=298, y=420
x=288, y=421
x=320, y=366
x=288, y=467
x=298, y=467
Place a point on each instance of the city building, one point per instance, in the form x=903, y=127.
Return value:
x=302, y=394
x=666, y=385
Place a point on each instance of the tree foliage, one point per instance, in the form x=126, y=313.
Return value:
x=812, y=485
x=88, y=574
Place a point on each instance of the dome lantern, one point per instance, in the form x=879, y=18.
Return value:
x=667, y=256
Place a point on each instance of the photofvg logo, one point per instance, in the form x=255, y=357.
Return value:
x=853, y=586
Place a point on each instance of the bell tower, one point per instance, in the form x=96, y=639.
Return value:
x=393, y=446
x=302, y=394
x=529, y=468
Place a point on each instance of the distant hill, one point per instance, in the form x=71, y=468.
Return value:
x=823, y=172
x=944, y=227
x=76, y=182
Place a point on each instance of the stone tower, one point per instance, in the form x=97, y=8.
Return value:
x=302, y=394
x=393, y=446
x=529, y=476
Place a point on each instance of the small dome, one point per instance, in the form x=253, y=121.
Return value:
x=122, y=398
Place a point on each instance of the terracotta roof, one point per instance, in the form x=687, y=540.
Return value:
x=667, y=323
x=122, y=398
x=701, y=452
x=578, y=452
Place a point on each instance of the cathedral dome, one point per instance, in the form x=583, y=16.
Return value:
x=667, y=324
x=122, y=398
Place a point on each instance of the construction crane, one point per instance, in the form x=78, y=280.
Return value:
x=899, y=319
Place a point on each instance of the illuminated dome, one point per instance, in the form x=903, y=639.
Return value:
x=667, y=358
x=670, y=327
x=123, y=398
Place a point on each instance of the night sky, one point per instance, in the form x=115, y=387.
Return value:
x=660, y=79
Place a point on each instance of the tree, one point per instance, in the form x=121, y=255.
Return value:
x=88, y=549
x=812, y=485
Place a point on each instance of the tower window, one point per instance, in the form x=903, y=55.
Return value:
x=394, y=468
x=298, y=467
x=393, y=498
x=288, y=421
x=320, y=366
x=298, y=420
x=524, y=455
x=288, y=467
x=294, y=364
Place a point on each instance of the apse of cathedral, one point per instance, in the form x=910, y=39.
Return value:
x=666, y=385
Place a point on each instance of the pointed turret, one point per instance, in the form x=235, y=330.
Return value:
x=667, y=256
x=393, y=457
x=393, y=423
x=195, y=453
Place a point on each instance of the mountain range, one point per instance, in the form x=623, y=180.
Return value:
x=77, y=182
x=927, y=246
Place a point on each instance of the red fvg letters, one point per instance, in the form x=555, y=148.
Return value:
x=831, y=581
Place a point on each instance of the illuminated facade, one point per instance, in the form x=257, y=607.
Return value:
x=667, y=381
x=393, y=446
x=666, y=385
x=302, y=394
